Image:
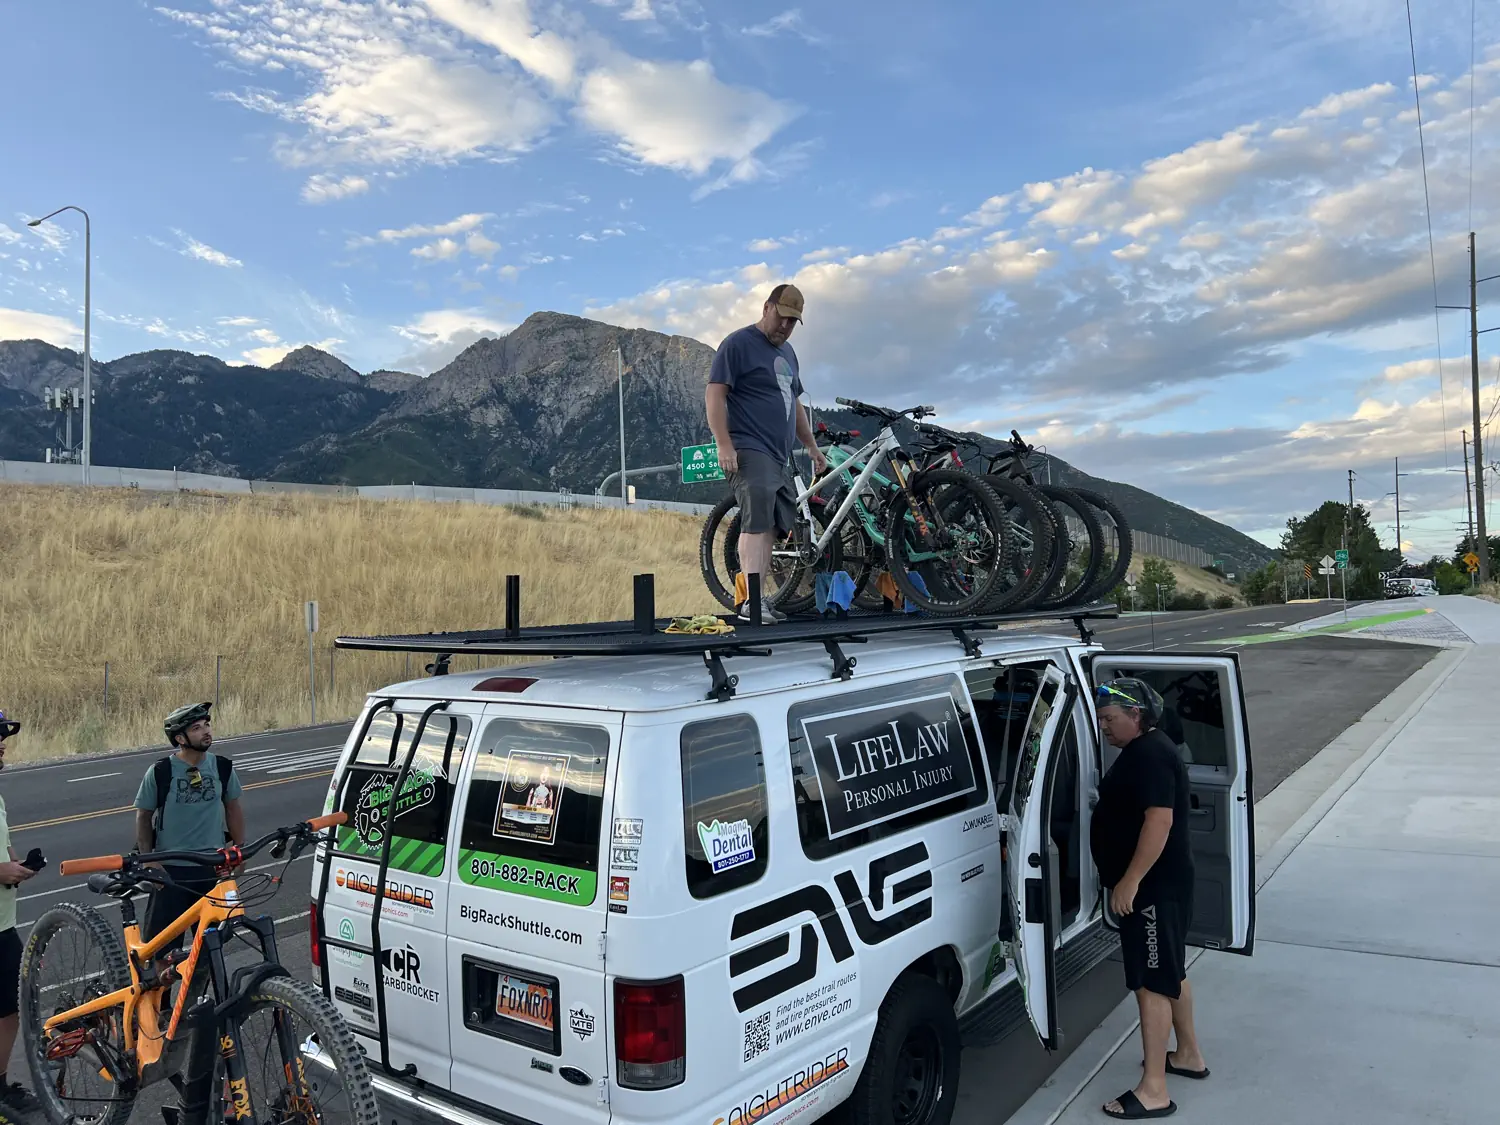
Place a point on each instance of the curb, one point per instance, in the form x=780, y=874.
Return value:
x=1076, y=1072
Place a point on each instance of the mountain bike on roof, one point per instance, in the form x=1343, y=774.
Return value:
x=942, y=532
x=100, y=1021
x=1100, y=545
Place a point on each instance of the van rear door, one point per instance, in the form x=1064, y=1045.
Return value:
x=527, y=913
x=1205, y=717
x=412, y=984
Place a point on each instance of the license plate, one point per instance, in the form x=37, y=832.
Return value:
x=526, y=1001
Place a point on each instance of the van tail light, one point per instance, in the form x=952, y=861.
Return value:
x=650, y=1034
x=312, y=933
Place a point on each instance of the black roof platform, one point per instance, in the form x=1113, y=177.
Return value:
x=645, y=634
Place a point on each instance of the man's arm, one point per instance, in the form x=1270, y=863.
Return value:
x=234, y=819
x=809, y=441
x=143, y=830
x=716, y=406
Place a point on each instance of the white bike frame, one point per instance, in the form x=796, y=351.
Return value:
x=876, y=451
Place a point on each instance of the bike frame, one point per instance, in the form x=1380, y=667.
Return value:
x=216, y=911
x=881, y=446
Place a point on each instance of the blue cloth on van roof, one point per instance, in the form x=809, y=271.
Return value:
x=916, y=580
x=835, y=588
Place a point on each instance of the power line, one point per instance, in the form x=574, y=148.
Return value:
x=1431, y=247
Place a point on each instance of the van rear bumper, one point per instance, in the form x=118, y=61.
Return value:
x=402, y=1104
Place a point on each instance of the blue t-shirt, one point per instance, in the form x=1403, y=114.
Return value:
x=193, y=819
x=764, y=384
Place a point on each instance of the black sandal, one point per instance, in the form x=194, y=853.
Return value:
x=1135, y=1111
x=1182, y=1072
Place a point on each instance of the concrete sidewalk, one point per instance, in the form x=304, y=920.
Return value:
x=1374, y=991
x=1453, y=619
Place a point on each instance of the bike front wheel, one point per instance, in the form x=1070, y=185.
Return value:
x=946, y=542
x=328, y=1083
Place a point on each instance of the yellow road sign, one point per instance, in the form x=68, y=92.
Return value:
x=1471, y=560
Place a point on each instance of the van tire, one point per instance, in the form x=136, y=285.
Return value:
x=911, y=1074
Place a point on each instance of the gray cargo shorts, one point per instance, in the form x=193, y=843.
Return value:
x=763, y=490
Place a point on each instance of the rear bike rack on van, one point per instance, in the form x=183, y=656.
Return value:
x=398, y=775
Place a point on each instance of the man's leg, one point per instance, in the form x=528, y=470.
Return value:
x=13, y=1095
x=755, y=554
x=1188, y=1056
x=1153, y=983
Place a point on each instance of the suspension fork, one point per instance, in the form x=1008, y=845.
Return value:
x=902, y=477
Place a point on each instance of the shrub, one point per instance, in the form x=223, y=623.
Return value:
x=1193, y=600
x=1224, y=601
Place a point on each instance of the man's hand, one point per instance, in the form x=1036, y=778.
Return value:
x=729, y=458
x=1122, y=898
x=819, y=462
x=13, y=874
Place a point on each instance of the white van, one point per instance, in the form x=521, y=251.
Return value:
x=635, y=888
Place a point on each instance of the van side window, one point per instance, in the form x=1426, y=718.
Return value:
x=869, y=764
x=531, y=822
x=725, y=825
x=420, y=822
x=1002, y=703
x=1194, y=716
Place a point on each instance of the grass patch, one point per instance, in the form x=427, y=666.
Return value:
x=171, y=587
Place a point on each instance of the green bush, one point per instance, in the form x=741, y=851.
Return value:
x=1196, y=599
x=1449, y=579
x=1223, y=601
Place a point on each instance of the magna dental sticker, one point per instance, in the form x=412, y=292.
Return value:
x=726, y=844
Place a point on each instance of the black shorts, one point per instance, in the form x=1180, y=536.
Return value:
x=167, y=903
x=10, y=973
x=763, y=490
x=1153, y=944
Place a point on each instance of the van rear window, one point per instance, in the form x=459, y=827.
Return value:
x=869, y=764
x=420, y=823
x=531, y=822
x=726, y=835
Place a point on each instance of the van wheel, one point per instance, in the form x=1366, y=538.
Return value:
x=911, y=1076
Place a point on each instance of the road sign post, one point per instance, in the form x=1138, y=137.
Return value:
x=1325, y=568
x=700, y=463
x=310, y=612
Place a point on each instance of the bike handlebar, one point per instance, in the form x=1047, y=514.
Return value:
x=216, y=857
x=884, y=412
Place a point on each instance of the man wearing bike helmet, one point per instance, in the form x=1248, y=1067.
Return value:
x=13, y=873
x=1139, y=840
x=754, y=412
x=188, y=801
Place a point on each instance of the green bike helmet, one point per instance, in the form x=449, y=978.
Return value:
x=8, y=727
x=179, y=720
x=1127, y=691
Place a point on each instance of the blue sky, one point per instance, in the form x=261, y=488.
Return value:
x=1183, y=244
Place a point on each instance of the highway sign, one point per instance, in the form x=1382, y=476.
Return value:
x=1326, y=569
x=701, y=463
x=1342, y=558
x=1326, y=560
x=1471, y=560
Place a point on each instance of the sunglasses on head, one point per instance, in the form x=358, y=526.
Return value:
x=1109, y=694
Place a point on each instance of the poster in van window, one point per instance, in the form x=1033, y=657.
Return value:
x=529, y=798
x=881, y=762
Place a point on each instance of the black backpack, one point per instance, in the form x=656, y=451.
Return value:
x=162, y=773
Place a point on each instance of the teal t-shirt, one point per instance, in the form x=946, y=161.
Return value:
x=194, y=816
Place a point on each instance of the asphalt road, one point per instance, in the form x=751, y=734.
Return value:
x=1300, y=694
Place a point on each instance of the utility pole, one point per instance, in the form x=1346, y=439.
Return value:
x=620, y=368
x=1468, y=495
x=1481, y=543
x=1400, y=557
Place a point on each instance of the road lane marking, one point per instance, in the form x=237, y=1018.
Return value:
x=75, y=817
x=93, y=777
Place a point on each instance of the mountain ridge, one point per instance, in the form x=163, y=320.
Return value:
x=536, y=408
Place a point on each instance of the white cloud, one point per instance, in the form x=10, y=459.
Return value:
x=480, y=246
x=323, y=188
x=275, y=352
x=763, y=245
x=7, y=235
x=237, y=321
x=192, y=248
x=460, y=225
x=266, y=336
x=789, y=22
x=20, y=324
x=679, y=115
x=1335, y=104
x=440, y=334
x=439, y=251
x=393, y=83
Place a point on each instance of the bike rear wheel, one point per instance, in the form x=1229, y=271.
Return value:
x=1082, y=544
x=719, y=559
x=948, y=564
x=1118, y=550
x=284, y=1086
x=1033, y=561
x=73, y=956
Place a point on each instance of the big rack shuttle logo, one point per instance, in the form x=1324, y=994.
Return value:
x=894, y=870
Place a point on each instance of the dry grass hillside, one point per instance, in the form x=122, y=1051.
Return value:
x=1194, y=578
x=164, y=587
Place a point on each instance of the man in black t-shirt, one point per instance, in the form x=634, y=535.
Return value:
x=1139, y=841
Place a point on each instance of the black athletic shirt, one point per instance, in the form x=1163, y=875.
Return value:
x=1149, y=773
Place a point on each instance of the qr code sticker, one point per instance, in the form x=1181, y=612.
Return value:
x=757, y=1036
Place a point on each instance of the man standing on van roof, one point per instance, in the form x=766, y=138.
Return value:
x=754, y=413
x=189, y=801
x=1139, y=840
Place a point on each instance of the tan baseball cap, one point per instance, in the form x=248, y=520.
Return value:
x=789, y=303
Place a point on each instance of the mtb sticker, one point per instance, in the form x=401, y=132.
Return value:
x=373, y=805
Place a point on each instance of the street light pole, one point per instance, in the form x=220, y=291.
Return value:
x=620, y=368
x=88, y=374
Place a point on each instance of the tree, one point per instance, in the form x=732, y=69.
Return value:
x=1464, y=546
x=1321, y=532
x=1156, y=573
x=1264, y=586
x=1450, y=579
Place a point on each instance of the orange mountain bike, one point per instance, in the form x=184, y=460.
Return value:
x=99, y=1021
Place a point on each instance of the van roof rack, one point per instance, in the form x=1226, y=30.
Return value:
x=645, y=634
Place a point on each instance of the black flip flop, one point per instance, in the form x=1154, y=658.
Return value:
x=1135, y=1111
x=1182, y=1072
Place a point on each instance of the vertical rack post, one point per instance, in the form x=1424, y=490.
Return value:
x=645, y=604
x=512, y=604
